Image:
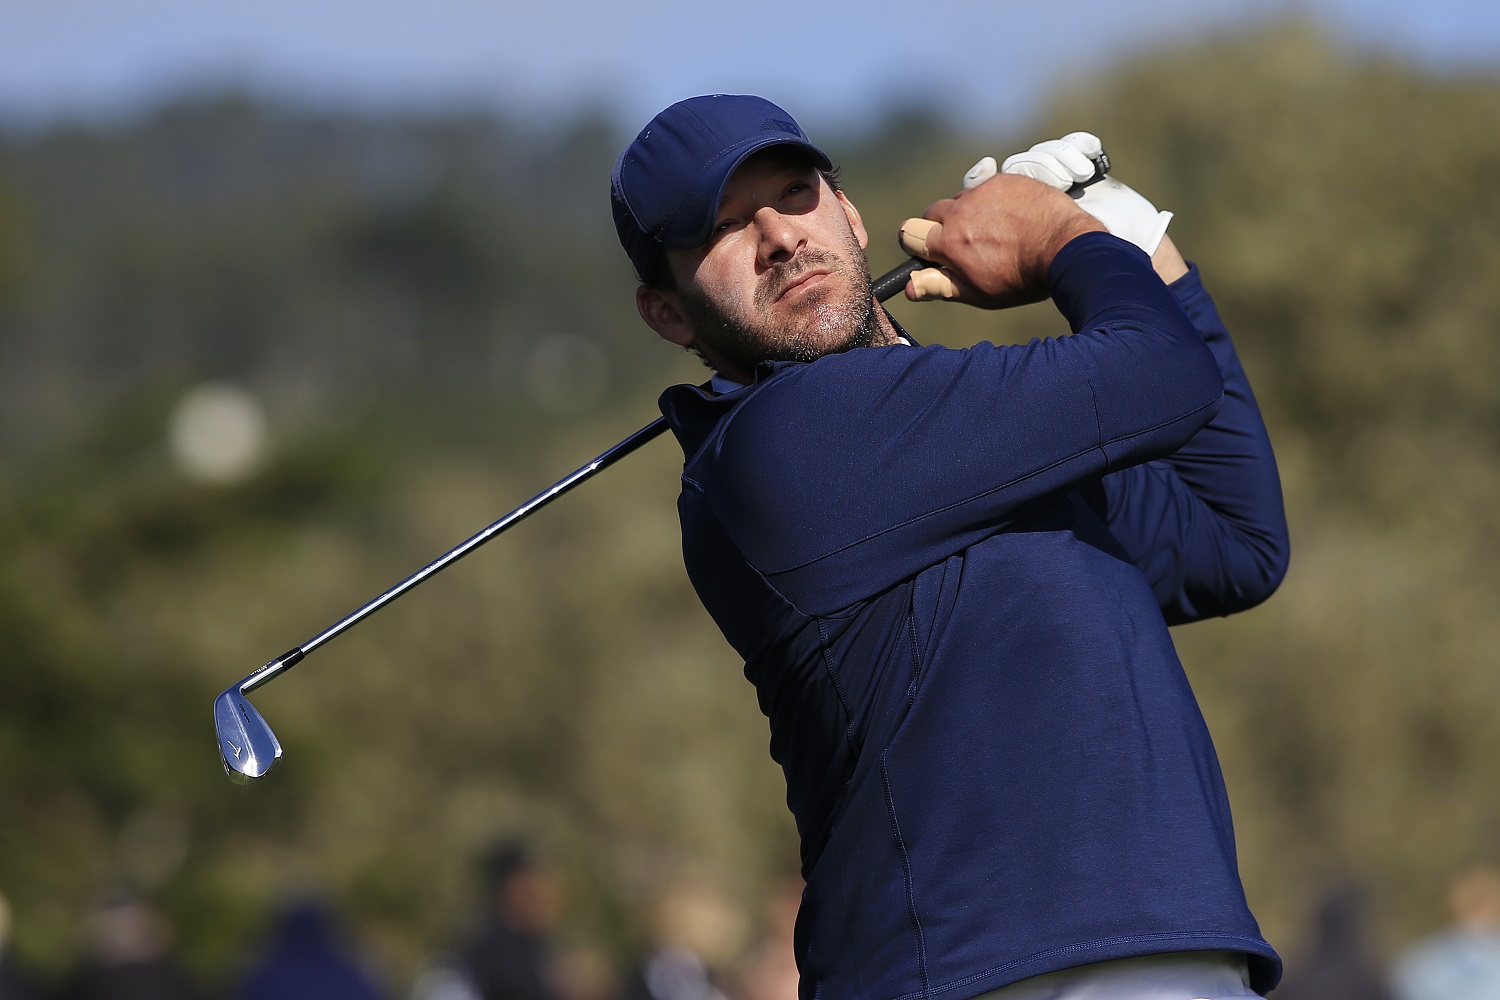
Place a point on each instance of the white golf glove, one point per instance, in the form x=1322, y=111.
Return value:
x=1074, y=159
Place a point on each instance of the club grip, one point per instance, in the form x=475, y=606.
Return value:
x=893, y=281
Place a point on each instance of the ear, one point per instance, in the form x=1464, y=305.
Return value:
x=855, y=222
x=661, y=312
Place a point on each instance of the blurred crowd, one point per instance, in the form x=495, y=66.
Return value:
x=1339, y=959
x=696, y=944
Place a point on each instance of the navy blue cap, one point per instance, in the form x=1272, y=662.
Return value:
x=666, y=185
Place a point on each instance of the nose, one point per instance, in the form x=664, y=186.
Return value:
x=780, y=237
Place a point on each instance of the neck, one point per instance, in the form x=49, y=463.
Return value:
x=888, y=333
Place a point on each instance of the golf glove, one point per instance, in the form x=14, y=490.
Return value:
x=1074, y=159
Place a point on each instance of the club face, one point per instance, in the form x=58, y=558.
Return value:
x=247, y=747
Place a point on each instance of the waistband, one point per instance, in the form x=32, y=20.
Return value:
x=1182, y=975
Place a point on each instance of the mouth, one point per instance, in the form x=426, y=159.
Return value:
x=803, y=282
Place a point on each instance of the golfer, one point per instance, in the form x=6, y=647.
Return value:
x=950, y=572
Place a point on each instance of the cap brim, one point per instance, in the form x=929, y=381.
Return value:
x=691, y=224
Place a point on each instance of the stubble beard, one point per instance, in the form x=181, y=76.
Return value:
x=831, y=322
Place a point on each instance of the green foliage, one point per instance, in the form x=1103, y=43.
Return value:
x=1336, y=208
x=424, y=304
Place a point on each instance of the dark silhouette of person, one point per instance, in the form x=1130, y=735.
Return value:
x=129, y=955
x=510, y=954
x=306, y=957
x=1338, y=963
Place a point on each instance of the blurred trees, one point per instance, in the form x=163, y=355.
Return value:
x=1336, y=210
x=438, y=321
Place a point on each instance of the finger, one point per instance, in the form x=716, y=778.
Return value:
x=1075, y=159
x=1087, y=142
x=1060, y=163
x=1040, y=166
x=920, y=237
x=931, y=283
x=980, y=172
x=1070, y=156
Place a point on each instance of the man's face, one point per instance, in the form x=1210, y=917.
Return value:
x=783, y=275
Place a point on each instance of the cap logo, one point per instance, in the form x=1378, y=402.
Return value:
x=778, y=125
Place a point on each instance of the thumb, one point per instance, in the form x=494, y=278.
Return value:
x=931, y=283
x=921, y=237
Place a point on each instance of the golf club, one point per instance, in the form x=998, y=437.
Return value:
x=248, y=747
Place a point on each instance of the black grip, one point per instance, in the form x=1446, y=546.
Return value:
x=893, y=281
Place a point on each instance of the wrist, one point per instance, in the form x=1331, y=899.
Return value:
x=1167, y=261
x=1067, y=233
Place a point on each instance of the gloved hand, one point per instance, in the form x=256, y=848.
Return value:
x=1075, y=159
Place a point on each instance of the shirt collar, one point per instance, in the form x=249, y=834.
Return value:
x=722, y=384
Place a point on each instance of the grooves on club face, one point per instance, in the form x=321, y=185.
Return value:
x=247, y=747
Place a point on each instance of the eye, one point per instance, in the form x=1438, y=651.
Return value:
x=799, y=195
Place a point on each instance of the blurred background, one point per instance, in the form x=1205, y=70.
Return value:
x=295, y=297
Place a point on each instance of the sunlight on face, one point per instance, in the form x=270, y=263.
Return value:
x=783, y=276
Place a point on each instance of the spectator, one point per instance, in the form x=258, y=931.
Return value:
x=586, y=973
x=129, y=955
x=14, y=985
x=1463, y=961
x=1338, y=965
x=444, y=978
x=696, y=935
x=306, y=958
x=770, y=971
x=510, y=955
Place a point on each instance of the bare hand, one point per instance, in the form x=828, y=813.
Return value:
x=995, y=242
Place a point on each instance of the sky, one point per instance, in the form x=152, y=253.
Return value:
x=982, y=60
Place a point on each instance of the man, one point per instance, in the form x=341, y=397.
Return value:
x=950, y=572
x=15, y=984
x=130, y=954
x=510, y=955
x=306, y=956
x=1338, y=957
x=1461, y=962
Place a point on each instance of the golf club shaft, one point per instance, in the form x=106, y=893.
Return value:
x=884, y=287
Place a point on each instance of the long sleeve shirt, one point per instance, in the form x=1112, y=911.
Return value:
x=950, y=575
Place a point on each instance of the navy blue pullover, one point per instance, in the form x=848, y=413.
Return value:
x=950, y=574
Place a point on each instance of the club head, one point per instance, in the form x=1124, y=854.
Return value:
x=247, y=747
